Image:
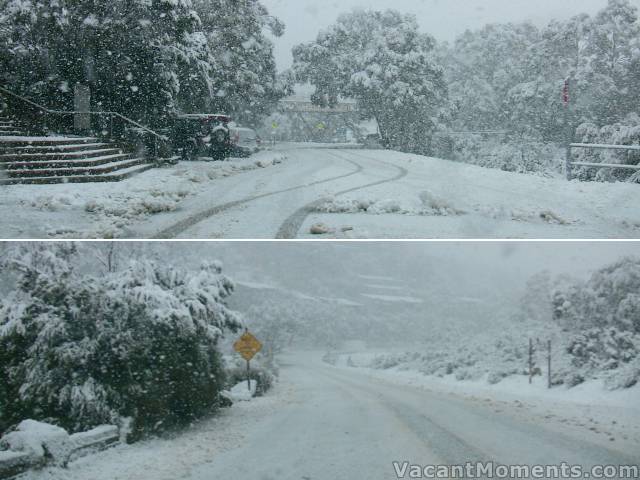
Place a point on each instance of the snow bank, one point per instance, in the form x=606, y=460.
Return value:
x=428, y=205
x=242, y=392
x=109, y=210
x=38, y=440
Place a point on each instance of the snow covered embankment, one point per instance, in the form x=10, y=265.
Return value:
x=34, y=444
x=107, y=210
x=591, y=411
x=172, y=456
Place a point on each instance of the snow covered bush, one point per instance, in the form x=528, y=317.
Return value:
x=625, y=133
x=602, y=322
x=512, y=154
x=263, y=376
x=80, y=350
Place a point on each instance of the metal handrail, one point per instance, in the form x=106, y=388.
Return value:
x=62, y=112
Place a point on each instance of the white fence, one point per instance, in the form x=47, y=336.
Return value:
x=597, y=146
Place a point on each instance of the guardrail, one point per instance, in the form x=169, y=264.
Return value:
x=598, y=146
x=106, y=126
x=37, y=445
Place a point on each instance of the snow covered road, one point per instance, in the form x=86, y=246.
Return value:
x=327, y=423
x=345, y=425
x=355, y=193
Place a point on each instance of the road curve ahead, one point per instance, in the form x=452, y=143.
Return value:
x=341, y=424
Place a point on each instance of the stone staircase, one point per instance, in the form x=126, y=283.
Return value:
x=45, y=160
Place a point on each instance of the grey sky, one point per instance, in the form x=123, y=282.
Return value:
x=491, y=263
x=444, y=19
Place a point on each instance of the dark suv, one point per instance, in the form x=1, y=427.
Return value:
x=196, y=134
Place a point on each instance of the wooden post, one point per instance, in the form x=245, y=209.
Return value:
x=530, y=361
x=567, y=124
x=549, y=364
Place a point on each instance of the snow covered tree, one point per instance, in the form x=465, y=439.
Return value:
x=79, y=350
x=137, y=56
x=601, y=319
x=146, y=59
x=247, y=83
x=381, y=60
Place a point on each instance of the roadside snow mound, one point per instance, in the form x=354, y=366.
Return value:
x=38, y=440
x=241, y=392
x=429, y=205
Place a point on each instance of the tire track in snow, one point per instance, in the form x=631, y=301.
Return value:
x=292, y=225
x=180, y=227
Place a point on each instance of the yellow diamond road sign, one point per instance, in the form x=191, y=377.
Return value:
x=247, y=346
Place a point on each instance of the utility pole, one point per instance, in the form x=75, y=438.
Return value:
x=530, y=361
x=549, y=364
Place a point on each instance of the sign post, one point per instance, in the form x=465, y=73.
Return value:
x=247, y=346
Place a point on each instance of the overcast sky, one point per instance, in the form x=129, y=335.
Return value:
x=296, y=264
x=444, y=19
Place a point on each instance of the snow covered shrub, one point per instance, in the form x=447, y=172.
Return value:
x=80, y=351
x=626, y=376
x=625, y=133
x=514, y=154
x=263, y=376
x=601, y=318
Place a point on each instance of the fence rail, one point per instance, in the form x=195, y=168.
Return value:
x=600, y=165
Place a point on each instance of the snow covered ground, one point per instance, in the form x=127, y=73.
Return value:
x=113, y=210
x=603, y=416
x=324, y=422
x=355, y=193
x=173, y=456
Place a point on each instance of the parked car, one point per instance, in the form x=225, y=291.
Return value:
x=194, y=135
x=373, y=141
x=245, y=141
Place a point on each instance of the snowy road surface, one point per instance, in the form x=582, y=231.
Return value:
x=356, y=193
x=327, y=423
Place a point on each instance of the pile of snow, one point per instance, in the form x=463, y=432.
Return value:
x=429, y=205
x=39, y=440
x=242, y=392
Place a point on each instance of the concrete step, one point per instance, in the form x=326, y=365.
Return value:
x=115, y=176
x=76, y=171
x=26, y=141
x=67, y=164
x=28, y=157
x=56, y=148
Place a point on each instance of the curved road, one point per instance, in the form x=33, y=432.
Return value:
x=471, y=202
x=341, y=424
x=302, y=180
x=292, y=225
